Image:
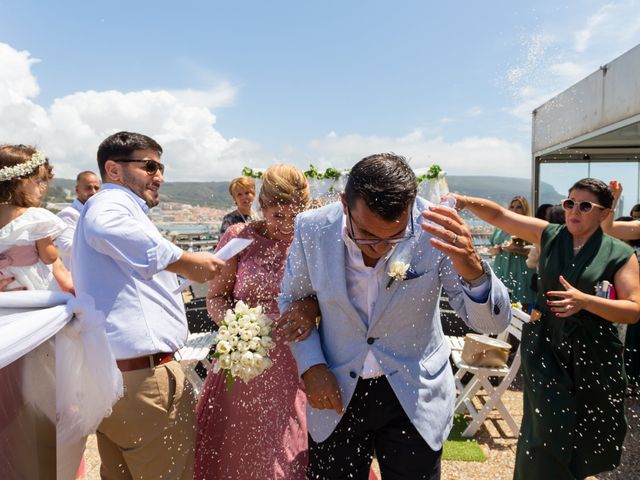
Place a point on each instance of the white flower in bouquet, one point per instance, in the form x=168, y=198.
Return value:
x=254, y=344
x=243, y=343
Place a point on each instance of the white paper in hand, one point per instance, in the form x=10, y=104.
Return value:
x=234, y=247
x=231, y=249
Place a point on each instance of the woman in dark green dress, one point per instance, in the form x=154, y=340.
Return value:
x=573, y=374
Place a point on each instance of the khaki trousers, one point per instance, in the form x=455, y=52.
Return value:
x=150, y=433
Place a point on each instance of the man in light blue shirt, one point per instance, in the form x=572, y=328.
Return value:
x=120, y=259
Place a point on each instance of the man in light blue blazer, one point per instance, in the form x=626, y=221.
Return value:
x=376, y=369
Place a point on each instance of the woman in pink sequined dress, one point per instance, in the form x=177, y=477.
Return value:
x=258, y=429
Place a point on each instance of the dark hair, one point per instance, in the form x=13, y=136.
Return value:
x=635, y=208
x=600, y=189
x=121, y=145
x=385, y=183
x=83, y=174
x=556, y=214
x=12, y=155
x=541, y=211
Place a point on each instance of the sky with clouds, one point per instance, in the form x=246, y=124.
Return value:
x=222, y=85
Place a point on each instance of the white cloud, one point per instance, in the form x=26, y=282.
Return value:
x=584, y=35
x=468, y=156
x=70, y=130
x=17, y=84
x=570, y=72
x=554, y=61
x=222, y=95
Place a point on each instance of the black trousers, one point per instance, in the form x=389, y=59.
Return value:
x=374, y=422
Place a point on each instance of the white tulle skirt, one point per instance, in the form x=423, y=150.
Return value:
x=61, y=342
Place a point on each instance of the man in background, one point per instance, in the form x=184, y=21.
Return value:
x=87, y=185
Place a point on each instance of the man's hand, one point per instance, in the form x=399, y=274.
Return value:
x=197, y=266
x=322, y=389
x=300, y=318
x=456, y=240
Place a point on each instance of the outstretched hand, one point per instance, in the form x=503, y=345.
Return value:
x=573, y=300
x=453, y=237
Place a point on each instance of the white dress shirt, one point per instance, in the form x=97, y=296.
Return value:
x=64, y=242
x=119, y=258
x=363, y=288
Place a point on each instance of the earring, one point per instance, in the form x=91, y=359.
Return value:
x=8, y=202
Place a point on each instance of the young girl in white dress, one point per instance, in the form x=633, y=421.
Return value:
x=27, y=252
x=29, y=257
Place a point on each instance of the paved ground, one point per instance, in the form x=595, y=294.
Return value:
x=498, y=445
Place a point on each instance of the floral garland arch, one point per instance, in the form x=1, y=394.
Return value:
x=328, y=184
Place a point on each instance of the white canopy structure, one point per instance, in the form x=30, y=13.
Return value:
x=592, y=129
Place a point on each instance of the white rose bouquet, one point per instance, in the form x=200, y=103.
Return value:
x=243, y=343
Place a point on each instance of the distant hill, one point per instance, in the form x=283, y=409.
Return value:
x=216, y=194
x=500, y=189
x=210, y=194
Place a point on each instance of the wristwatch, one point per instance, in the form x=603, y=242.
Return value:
x=486, y=274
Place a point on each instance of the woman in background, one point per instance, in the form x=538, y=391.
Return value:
x=510, y=263
x=243, y=192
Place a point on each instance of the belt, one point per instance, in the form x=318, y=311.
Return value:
x=147, y=361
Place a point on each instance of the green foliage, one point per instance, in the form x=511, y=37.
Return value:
x=329, y=174
x=432, y=173
x=249, y=172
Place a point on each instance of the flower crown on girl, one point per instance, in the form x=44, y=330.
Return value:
x=22, y=169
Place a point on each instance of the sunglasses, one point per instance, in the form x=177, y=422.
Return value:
x=375, y=241
x=584, y=206
x=150, y=166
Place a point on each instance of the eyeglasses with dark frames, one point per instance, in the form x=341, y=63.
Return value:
x=375, y=241
x=584, y=206
x=150, y=166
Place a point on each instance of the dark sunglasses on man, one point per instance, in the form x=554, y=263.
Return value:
x=150, y=166
x=584, y=206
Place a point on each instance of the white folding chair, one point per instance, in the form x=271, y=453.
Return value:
x=196, y=350
x=481, y=380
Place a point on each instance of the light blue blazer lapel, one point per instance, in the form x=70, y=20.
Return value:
x=403, y=252
x=335, y=265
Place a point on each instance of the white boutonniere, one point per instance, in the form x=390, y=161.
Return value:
x=397, y=271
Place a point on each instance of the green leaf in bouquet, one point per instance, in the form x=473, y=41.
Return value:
x=229, y=380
